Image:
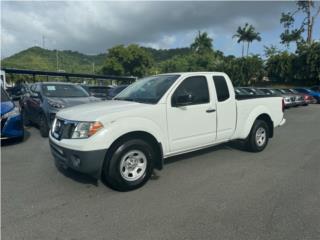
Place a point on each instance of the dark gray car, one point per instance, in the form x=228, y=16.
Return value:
x=46, y=99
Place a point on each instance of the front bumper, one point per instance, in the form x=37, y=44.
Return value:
x=12, y=127
x=87, y=162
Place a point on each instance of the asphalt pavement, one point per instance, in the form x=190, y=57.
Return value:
x=217, y=193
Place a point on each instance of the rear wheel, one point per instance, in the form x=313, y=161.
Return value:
x=258, y=137
x=43, y=126
x=129, y=165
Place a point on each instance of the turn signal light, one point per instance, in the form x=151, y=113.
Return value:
x=94, y=127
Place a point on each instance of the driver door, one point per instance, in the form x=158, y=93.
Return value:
x=191, y=115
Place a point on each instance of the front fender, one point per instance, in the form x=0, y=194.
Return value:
x=120, y=127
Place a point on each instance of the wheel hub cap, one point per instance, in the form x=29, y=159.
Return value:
x=261, y=136
x=133, y=165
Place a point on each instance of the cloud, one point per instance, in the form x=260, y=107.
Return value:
x=93, y=27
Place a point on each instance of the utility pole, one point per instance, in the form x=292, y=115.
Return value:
x=43, y=41
x=93, y=67
x=57, y=60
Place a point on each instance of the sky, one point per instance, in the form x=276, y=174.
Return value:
x=92, y=27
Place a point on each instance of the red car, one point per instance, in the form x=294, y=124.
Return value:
x=308, y=99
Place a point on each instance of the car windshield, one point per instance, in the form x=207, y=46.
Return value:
x=4, y=96
x=147, y=90
x=293, y=91
x=285, y=91
x=276, y=91
x=266, y=91
x=63, y=90
x=98, y=89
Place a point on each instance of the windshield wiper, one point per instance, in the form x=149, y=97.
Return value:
x=125, y=99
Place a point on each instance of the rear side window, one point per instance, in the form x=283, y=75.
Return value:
x=221, y=88
x=197, y=87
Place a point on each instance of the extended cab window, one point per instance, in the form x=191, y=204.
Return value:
x=221, y=88
x=193, y=90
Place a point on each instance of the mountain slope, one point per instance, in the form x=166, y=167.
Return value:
x=43, y=59
x=37, y=58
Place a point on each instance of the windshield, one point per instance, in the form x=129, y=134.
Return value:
x=285, y=91
x=293, y=91
x=63, y=90
x=4, y=96
x=275, y=91
x=147, y=90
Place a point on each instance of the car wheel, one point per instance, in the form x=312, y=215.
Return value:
x=258, y=137
x=43, y=126
x=129, y=165
x=25, y=118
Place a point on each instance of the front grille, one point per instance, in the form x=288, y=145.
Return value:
x=292, y=99
x=62, y=129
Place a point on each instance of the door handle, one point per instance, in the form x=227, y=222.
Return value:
x=210, y=110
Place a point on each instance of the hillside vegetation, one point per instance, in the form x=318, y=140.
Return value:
x=37, y=58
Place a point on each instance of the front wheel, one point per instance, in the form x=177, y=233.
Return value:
x=258, y=137
x=129, y=165
x=43, y=126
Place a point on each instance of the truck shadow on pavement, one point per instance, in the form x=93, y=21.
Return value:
x=77, y=176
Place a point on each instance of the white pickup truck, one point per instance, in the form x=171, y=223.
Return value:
x=123, y=140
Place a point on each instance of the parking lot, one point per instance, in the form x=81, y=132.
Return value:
x=218, y=193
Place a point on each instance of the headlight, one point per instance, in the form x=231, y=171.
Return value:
x=86, y=129
x=55, y=104
x=14, y=112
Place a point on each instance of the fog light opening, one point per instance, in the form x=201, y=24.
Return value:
x=75, y=161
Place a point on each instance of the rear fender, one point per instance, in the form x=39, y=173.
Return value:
x=254, y=114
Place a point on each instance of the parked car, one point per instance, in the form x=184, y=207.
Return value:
x=252, y=90
x=11, y=120
x=298, y=98
x=46, y=99
x=308, y=99
x=315, y=88
x=17, y=92
x=314, y=94
x=97, y=91
x=287, y=99
x=115, y=91
x=241, y=92
x=122, y=140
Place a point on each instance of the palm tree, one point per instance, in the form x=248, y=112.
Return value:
x=202, y=43
x=246, y=34
x=252, y=35
x=241, y=35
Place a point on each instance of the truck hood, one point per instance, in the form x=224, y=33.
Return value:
x=94, y=111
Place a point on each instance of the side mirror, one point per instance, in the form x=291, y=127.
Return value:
x=182, y=100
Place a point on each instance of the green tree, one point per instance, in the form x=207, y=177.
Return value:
x=291, y=34
x=243, y=71
x=280, y=67
x=202, y=43
x=270, y=51
x=132, y=60
x=307, y=63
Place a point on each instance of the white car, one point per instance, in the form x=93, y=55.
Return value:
x=124, y=139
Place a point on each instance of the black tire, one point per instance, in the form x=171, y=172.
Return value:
x=43, y=126
x=112, y=174
x=25, y=119
x=257, y=145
